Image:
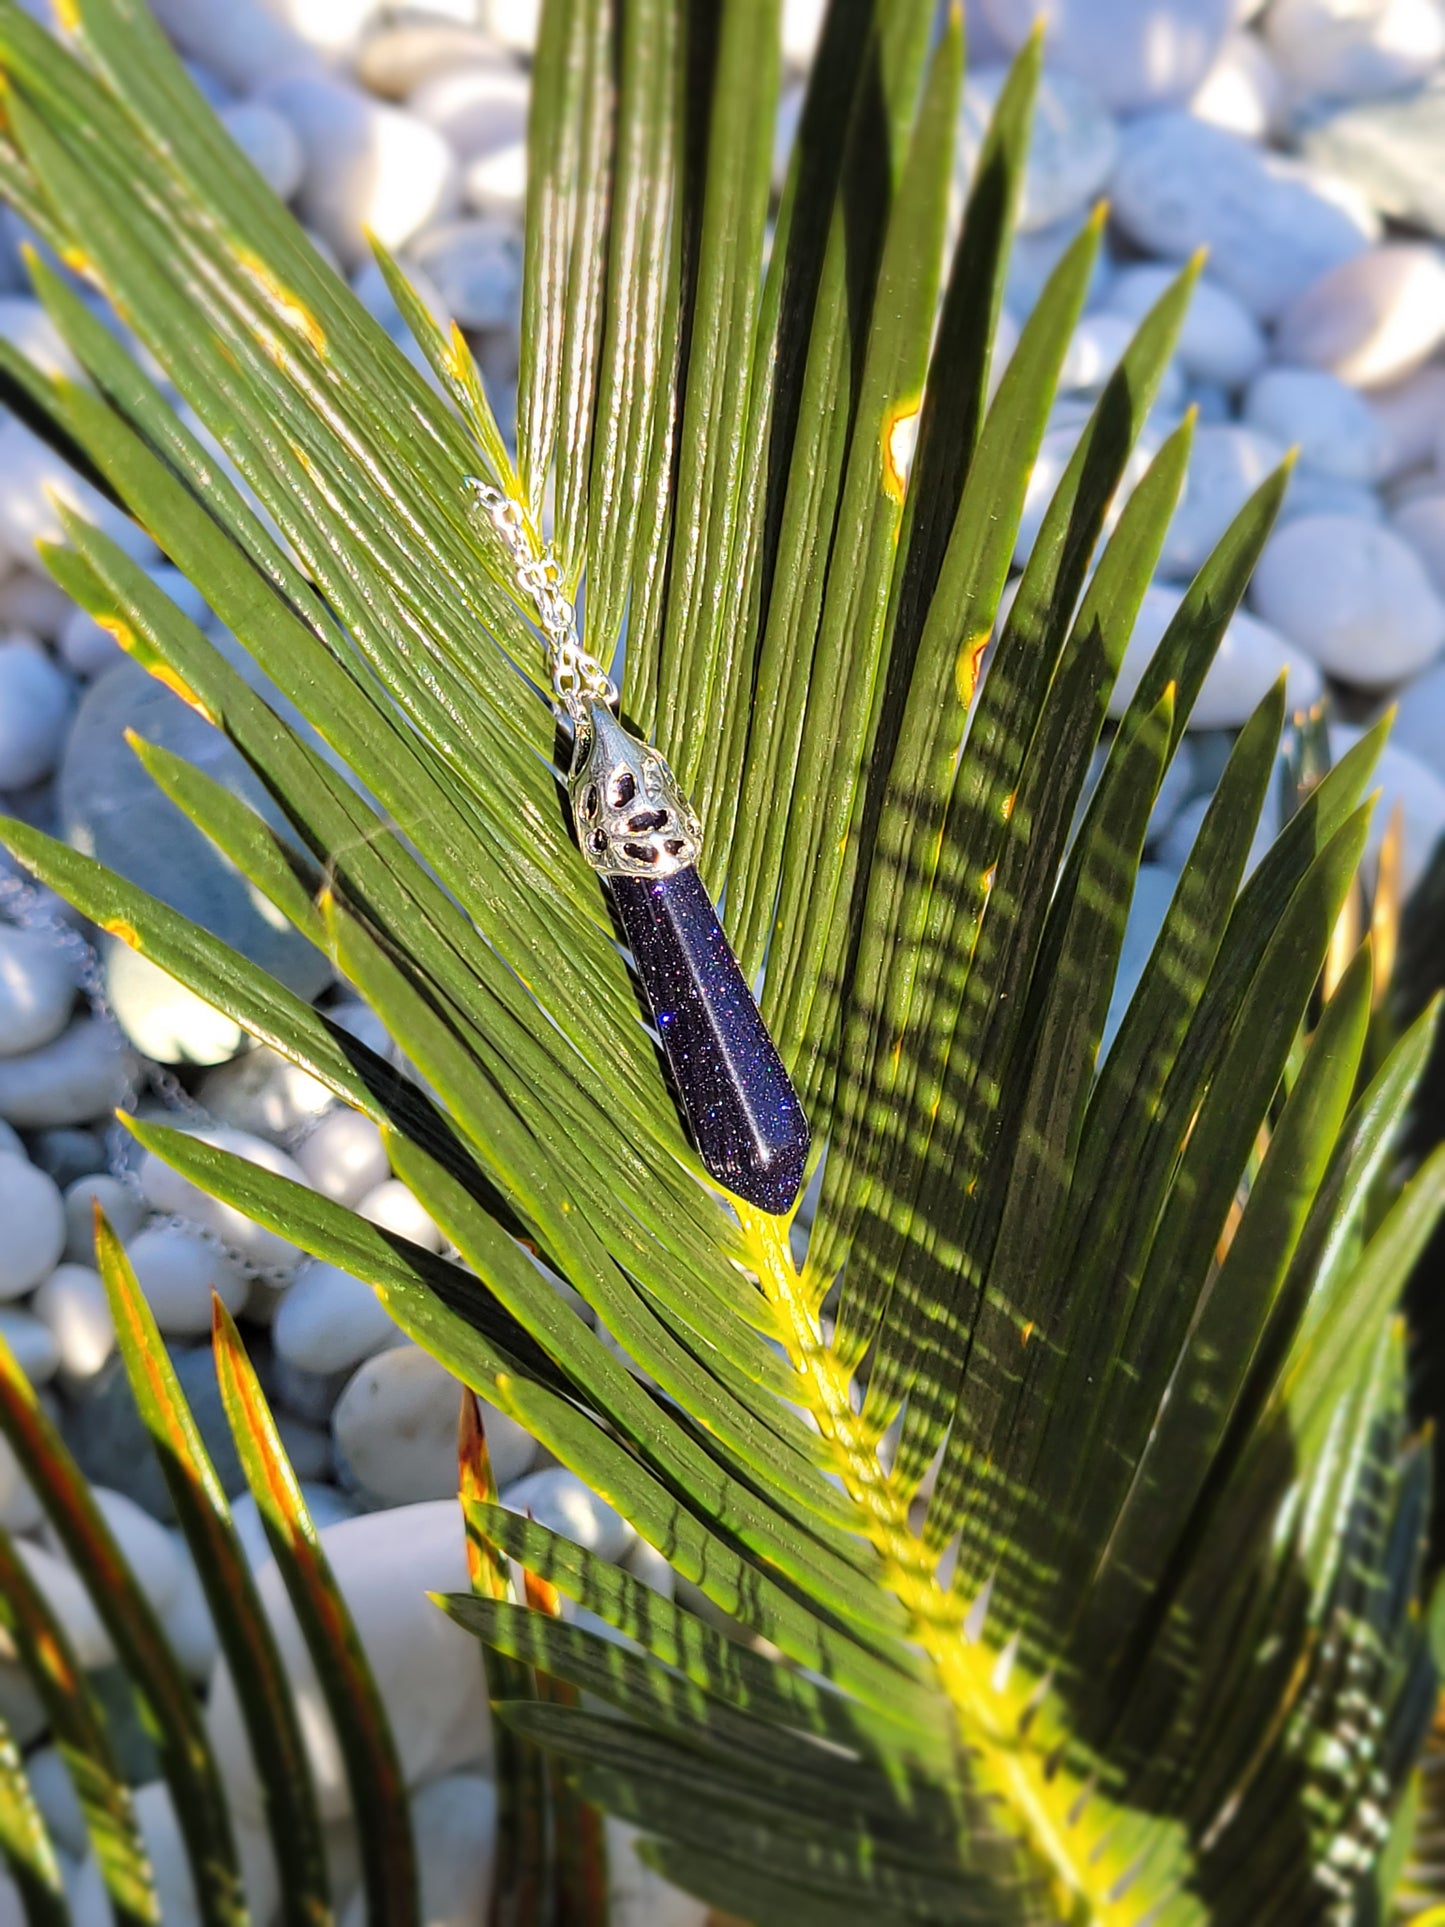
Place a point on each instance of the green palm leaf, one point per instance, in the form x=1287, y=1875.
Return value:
x=1065, y=1475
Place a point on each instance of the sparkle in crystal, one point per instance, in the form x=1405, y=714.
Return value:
x=740, y=1106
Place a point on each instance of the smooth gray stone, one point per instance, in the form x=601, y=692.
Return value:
x=69, y=1154
x=1392, y=150
x=112, y=810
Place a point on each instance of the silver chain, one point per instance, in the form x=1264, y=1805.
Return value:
x=574, y=672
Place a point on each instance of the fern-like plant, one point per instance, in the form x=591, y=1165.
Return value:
x=1054, y=1481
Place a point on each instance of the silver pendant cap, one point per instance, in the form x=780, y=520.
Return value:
x=632, y=820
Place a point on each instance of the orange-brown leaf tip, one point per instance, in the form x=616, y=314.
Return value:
x=542, y=1596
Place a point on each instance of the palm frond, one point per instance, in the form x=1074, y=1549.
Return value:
x=1068, y=1478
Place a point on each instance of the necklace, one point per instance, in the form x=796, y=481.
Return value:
x=640, y=834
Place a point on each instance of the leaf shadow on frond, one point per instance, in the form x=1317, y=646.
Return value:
x=1030, y=1240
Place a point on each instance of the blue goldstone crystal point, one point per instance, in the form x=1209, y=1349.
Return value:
x=740, y=1106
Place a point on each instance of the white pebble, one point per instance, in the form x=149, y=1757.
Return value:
x=1035, y=256
x=1421, y=523
x=496, y=183
x=478, y=108
x=1410, y=417
x=1420, y=720
x=1135, y=53
x=1329, y=423
x=333, y=27
x=309, y=1449
x=37, y=990
x=1313, y=493
x=265, y=1093
x=1414, y=789
x=454, y=1827
x=177, y=1270
x=32, y=1343
x=1094, y=351
x=557, y=1499
x=344, y=1157
x=369, y=167
x=1271, y=227
x=1370, y=320
x=162, y=1017
x=74, y=1308
x=1353, y=596
x=84, y=1073
x=1243, y=91
x=32, y=479
x=187, y=1618
x=1220, y=340
x=394, y=1208
x=34, y=712
x=33, y=1217
x=426, y=1667
x=1250, y=660
x=328, y=1321
x=1227, y=463
x=33, y=604
x=122, y=1206
x=269, y=142
x=70, y=1602
x=513, y=23
x=1073, y=143
x=244, y=42
x=395, y=1429
x=145, y=1545
x=476, y=266
x=1354, y=49
x=167, y=1190
x=396, y=59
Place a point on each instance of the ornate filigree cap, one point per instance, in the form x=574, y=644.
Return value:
x=632, y=819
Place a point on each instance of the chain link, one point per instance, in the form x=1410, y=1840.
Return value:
x=574, y=672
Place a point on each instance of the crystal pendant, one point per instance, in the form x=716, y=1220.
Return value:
x=639, y=833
